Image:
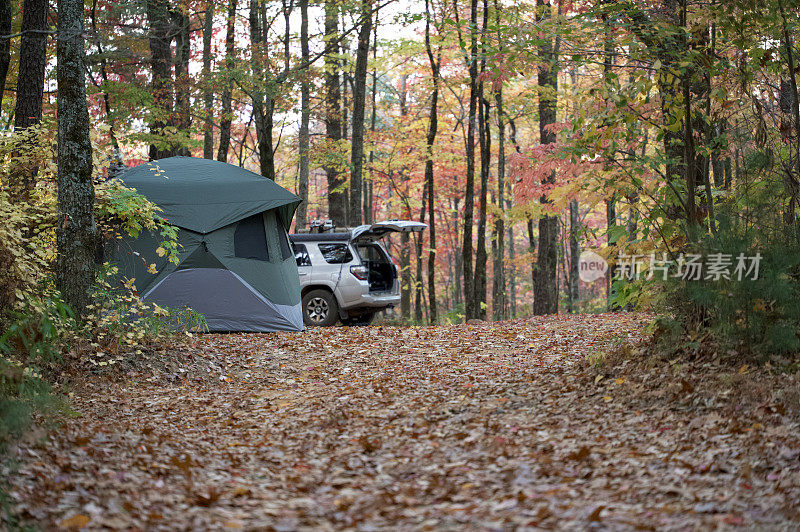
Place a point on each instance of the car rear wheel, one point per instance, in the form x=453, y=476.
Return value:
x=320, y=309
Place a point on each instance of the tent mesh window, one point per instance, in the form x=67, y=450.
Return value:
x=250, y=239
x=336, y=253
x=283, y=238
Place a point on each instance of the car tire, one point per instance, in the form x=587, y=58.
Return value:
x=320, y=309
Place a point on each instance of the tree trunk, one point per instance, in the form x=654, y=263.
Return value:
x=545, y=292
x=433, y=126
x=76, y=232
x=574, y=254
x=208, y=92
x=118, y=164
x=304, y=137
x=182, y=81
x=368, y=186
x=459, y=260
x=337, y=207
x=405, y=240
x=791, y=174
x=405, y=275
x=485, y=141
x=32, y=60
x=512, y=250
x=471, y=307
x=359, y=103
x=160, y=37
x=499, y=303
x=227, y=88
x=418, y=240
x=532, y=249
x=6, y=19
x=611, y=221
x=611, y=209
x=30, y=80
x=512, y=271
x=262, y=108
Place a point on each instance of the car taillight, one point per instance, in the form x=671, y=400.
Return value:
x=361, y=272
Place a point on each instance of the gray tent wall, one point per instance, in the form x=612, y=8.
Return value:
x=234, y=293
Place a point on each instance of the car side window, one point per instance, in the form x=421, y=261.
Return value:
x=336, y=253
x=301, y=255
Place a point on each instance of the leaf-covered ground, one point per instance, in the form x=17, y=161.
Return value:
x=488, y=426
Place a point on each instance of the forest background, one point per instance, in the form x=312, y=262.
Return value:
x=522, y=134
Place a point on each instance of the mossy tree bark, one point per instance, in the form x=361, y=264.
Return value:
x=76, y=232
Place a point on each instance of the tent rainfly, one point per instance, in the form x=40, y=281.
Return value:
x=236, y=265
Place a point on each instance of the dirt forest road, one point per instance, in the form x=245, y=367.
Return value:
x=482, y=427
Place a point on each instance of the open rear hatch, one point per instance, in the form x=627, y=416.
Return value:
x=371, y=233
x=381, y=272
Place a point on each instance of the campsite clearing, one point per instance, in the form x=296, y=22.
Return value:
x=483, y=426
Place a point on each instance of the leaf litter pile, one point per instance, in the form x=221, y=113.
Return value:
x=487, y=426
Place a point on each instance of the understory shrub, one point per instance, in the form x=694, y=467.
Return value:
x=756, y=317
x=40, y=337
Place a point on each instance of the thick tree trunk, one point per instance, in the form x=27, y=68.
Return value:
x=6, y=19
x=262, y=110
x=545, y=291
x=471, y=307
x=359, y=103
x=337, y=207
x=160, y=37
x=32, y=61
x=208, y=90
x=76, y=232
x=227, y=88
x=304, y=137
x=30, y=80
x=182, y=82
x=433, y=126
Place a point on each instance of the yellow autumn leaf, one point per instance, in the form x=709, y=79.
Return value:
x=152, y=269
x=620, y=380
x=161, y=251
x=598, y=379
x=75, y=522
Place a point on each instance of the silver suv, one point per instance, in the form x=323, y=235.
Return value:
x=347, y=275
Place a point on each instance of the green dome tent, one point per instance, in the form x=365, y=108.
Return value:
x=236, y=266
